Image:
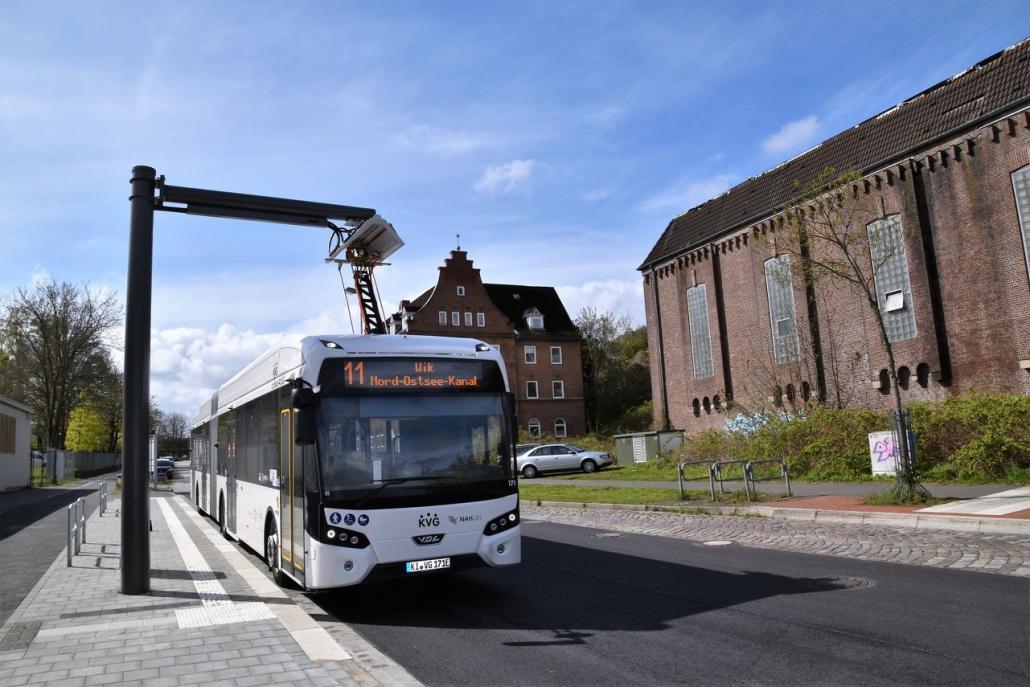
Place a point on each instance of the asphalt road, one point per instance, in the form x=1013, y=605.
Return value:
x=584, y=609
x=33, y=531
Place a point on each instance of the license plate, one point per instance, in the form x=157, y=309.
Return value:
x=433, y=564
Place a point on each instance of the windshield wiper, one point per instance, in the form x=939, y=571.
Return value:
x=388, y=482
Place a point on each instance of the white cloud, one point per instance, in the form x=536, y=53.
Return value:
x=617, y=296
x=793, y=136
x=688, y=194
x=445, y=142
x=507, y=178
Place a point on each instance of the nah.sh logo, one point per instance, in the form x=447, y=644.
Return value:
x=457, y=519
x=429, y=520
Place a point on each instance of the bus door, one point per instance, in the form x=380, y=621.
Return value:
x=291, y=499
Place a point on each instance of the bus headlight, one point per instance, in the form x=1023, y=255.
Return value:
x=352, y=540
x=502, y=523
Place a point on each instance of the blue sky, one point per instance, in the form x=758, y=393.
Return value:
x=557, y=138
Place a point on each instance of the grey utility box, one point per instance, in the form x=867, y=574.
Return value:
x=641, y=447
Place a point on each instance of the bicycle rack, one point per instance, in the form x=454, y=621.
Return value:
x=750, y=479
x=680, y=469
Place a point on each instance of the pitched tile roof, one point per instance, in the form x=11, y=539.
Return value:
x=515, y=301
x=999, y=83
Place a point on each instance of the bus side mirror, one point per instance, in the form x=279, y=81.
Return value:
x=302, y=398
x=303, y=401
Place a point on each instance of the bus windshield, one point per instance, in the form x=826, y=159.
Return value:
x=420, y=443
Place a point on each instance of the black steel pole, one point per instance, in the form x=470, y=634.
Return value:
x=136, y=398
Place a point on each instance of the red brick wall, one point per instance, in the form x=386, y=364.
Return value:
x=458, y=271
x=983, y=283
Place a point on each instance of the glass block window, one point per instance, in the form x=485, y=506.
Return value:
x=1021, y=186
x=781, y=309
x=700, y=332
x=893, y=290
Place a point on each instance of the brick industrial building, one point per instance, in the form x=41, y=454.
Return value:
x=949, y=170
x=541, y=346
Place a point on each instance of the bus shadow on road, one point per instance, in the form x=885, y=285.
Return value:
x=564, y=589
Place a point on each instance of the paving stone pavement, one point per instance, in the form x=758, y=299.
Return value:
x=1007, y=554
x=75, y=629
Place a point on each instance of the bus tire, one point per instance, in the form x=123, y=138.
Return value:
x=196, y=495
x=272, y=553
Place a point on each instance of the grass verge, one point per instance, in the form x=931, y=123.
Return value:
x=892, y=498
x=628, y=495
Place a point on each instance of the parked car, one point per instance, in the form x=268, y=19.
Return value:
x=164, y=466
x=522, y=448
x=552, y=457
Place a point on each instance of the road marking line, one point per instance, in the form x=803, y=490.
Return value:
x=1001, y=503
x=316, y=642
x=217, y=608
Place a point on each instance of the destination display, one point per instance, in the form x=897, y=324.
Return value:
x=409, y=375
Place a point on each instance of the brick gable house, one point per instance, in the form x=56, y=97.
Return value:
x=542, y=348
x=949, y=170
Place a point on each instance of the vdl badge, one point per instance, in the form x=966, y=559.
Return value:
x=432, y=564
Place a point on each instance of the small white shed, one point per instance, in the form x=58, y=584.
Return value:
x=15, y=438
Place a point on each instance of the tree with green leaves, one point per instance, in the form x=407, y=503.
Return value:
x=615, y=371
x=53, y=338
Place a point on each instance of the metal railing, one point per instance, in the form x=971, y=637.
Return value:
x=76, y=528
x=682, y=466
x=750, y=479
x=717, y=473
x=77, y=521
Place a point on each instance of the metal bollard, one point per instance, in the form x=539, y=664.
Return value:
x=82, y=519
x=72, y=524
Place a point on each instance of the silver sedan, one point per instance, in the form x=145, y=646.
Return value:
x=551, y=457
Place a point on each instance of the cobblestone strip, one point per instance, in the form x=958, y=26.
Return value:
x=1008, y=554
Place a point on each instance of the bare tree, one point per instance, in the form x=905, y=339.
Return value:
x=831, y=232
x=53, y=340
x=174, y=425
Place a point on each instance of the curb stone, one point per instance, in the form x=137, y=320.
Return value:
x=844, y=517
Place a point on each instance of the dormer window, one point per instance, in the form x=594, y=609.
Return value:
x=535, y=320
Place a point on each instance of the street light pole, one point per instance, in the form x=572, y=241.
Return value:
x=135, y=513
x=136, y=398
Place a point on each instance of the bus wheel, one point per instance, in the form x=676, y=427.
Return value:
x=272, y=554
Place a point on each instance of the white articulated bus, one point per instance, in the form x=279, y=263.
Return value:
x=348, y=459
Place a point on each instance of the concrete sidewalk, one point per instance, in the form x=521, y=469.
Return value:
x=211, y=617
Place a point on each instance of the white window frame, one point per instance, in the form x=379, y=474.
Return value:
x=468, y=319
x=461, y=290
x=533, y=427
x=480, y=319
x=529, y=352
x=455, y=318
x=443, y=318
x=535, y=322
x=559, y=360
x=561, y=428
x=532, y=389
x=560, y=387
